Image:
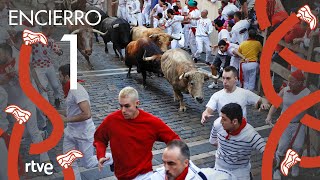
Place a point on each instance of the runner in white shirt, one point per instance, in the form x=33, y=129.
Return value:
x=240, y=29
x=146, y=9
x=134, y=12
x=174, y=23
x=236, y=139
x=194, y=15
x=187, y=26
x=290, y=94
x=80, y=128
x=159, y=21
x=204, y=29
x=228, y=8
x=232, y=93
x=122, y=10
x=165, y=9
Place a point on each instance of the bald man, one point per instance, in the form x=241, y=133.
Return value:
x=204, y=29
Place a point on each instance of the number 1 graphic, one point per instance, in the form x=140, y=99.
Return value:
x=72, y=38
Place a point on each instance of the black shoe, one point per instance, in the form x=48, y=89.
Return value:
x=207, y=63
x=195, y=60
x=112, y=167
x=57, y=103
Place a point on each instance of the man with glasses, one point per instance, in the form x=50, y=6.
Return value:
x=131, y=133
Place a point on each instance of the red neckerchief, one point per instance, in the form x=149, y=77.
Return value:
x=177, y=13
x=237, y=131
x=66, y=87
x=5, y=66
x=192, y=9
x=228, y=46
x=183, y=175
x=220, y=28
x=296, y=92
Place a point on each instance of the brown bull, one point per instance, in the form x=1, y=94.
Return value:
x=84, y=39
x=179, y=69
x=158, y=36
x=135, y=55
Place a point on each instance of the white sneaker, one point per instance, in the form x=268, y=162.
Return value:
x=213, y=85
x=277, y=175
x=295, y=171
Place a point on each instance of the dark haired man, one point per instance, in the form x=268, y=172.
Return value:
x=80, y=128
x=174, y=28
x=232, y=93
x=237, y=139
x=177, y=164
x=240, y=29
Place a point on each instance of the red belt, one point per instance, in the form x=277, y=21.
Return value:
x=193, y=29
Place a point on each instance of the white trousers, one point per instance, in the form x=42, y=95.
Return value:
x=48, y=75
x=85, y=145
x=286, y=139
x=203, y=41
x=3, y=160
x=3, y=104
x=177, y=43
x=135, y=19
x=186, y=30
x=192, y=42
x=235, y=62
x=239, y=173
x=122, y=12
x=146, y=13
x=249, y=71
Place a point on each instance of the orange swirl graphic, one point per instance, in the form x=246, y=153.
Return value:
x=43, y=105
x=13, y=151
x=296, y=108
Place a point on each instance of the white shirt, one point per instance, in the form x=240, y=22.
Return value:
x=133, y=6
x=84, y=129
x=158, y=9
x=241, y=96
x=235, y=32
x=204, y=27
x=289, y=99
x=230, y=49
x=122, y=3
x=175, y=24
x=158, y=22
x=235, y=152
x=194, y=14
x=224, y=34
x=227, y=9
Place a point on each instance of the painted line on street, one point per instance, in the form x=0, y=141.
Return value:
x=106, y=70
x=106, y=74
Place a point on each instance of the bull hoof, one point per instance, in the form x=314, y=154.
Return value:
x=182, y=109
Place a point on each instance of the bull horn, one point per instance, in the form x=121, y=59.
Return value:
x=76, y=31
x=172, y=37
x=150, y=58
x=181, y=76
x=153, y=35
x=115, y=26
x=99, y=32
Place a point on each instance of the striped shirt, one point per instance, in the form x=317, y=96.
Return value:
x=235, y=152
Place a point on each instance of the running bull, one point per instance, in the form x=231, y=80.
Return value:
x=136, y=53
x=118, y=32
x=84, y=39
x=161, y=38
x=179, y=69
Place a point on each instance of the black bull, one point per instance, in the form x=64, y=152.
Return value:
x=136, y=52
x=118, y=32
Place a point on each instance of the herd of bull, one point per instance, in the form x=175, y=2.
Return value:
x=147, y=49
